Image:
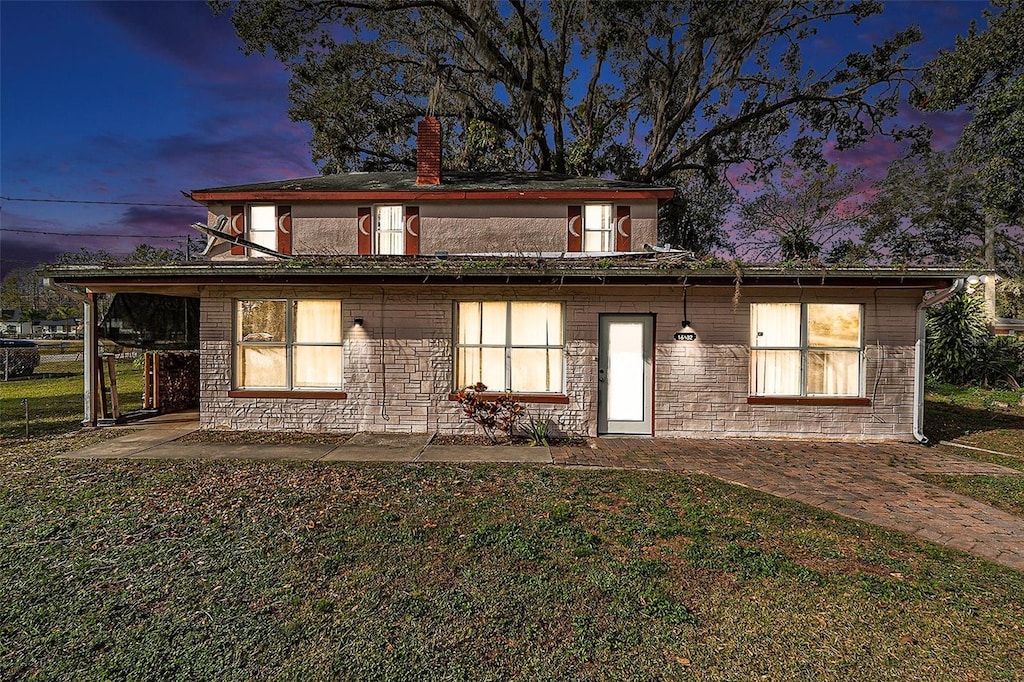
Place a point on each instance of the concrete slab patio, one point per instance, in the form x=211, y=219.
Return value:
x=379, y=447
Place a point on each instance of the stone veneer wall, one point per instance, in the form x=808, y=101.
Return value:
x=700, y=387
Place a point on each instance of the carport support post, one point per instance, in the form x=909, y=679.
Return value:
x=90, y=353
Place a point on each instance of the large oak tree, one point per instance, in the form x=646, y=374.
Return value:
x=668, y=92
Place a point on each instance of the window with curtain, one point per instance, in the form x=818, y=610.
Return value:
x=805, y=349
x=288, y=344
x=597, y=228
x=389, y=229
x=262, y=227
x=510, y=345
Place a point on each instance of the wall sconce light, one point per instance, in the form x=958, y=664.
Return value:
x=359, y=321
x=686, y=331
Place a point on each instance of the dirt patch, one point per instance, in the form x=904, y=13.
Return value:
x=264, y=437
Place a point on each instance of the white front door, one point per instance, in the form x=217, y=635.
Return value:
x=625, y=374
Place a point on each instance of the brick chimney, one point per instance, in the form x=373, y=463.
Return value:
x=428, y=152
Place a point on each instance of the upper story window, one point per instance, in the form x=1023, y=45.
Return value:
x=806, y=349
x=288, y=344
x=269, y=225
x=597, y=228
x=389, y=229
x=261, y=227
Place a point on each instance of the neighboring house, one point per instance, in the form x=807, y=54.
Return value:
x=399, y=288
x=12, y=324
x=66, y=328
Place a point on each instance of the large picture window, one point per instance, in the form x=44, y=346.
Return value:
x=510, y=345
x=288, y=344
x=805, y=349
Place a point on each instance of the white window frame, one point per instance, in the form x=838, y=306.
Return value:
x=606, y=232
x=507, y=346
x=805, y=349
x=289, y=344
x=252, y=234
x=378, y=229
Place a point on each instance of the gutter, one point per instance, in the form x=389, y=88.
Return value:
x=919, y=345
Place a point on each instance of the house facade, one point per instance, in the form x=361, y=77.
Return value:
x=364, y=301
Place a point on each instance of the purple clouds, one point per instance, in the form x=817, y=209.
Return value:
x=135, y=101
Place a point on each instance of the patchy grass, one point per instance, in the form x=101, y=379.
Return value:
x=1005, y=492
x=241, y=570
x=983, y=418
x=991, y=419
x=55, y=403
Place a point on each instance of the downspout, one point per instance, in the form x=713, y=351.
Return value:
x=922, y=335
x=89, y=354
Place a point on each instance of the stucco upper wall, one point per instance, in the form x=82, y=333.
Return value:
x=453, y=226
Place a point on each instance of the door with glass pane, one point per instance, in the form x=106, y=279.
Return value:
x=625, y=374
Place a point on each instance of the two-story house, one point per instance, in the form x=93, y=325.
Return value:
x=390, y=291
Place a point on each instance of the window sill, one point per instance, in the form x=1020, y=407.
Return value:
x=809, y=401
x=550, y=398
x=316, y=395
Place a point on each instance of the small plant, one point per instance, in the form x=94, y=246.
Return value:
x=497, y=414
x=536, y=430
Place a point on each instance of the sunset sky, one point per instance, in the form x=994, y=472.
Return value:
x=132, y=102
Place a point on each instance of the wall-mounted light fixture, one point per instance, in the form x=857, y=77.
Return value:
x=686, y=331
x=359, y=321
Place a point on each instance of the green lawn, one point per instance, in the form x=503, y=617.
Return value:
x=55, y=402
x=990, y=419
x=253, y=570
x=242, y=570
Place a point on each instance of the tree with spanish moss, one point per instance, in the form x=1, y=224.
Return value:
x=653, y=92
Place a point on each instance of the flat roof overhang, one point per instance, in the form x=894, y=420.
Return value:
x=184, y=279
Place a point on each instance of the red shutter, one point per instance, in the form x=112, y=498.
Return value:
x=412, y=230
x=284, y=229
x=575, y=229
x=365, y=230
x=623, y=229
x=236, y=228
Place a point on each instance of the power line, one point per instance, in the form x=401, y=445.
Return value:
x=93, y=234
x=103, y=203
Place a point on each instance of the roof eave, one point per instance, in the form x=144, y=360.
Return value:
x=420, y=195
x=435, y=272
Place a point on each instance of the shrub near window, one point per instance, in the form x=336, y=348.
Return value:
x=961, y=349
x=497, y=414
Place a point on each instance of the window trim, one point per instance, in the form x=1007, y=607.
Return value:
x=248, y=232
x=804, y=348
x=527, y=396
x=609, y=232
x=289, y=389
x=375, y=213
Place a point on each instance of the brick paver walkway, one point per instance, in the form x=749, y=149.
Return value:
x=875, y=483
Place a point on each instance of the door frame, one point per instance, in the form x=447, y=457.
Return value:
x=650, y=321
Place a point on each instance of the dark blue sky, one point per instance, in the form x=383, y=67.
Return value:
x=134, y=101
